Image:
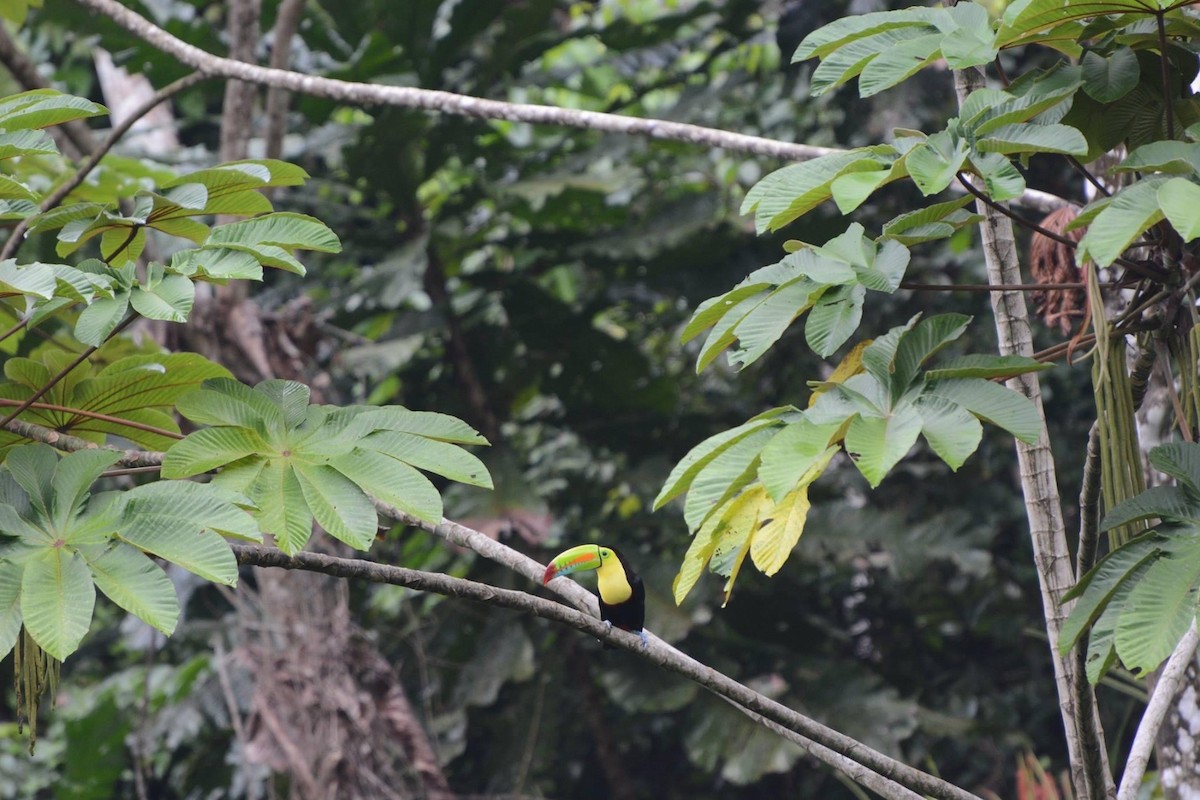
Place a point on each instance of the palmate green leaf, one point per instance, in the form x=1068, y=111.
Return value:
x=763, y=326
x=73, y=478
x=177, y=520
x=431, y=455
x=1096, y=589
x=721, y=336
x=1024, y=18
x=915, y=347
x=1107, y=79
x=288, y=230
x=1126, y=216
x=988, y=109
x=876, y=444
x=847, y=30
x=848, y=60
x=1001, y=179
x=791, y=453
x=12, y=189
x=100, y=318
x=220, y=263
x=224, y=401
x=682, y=475
x=1162, y=502
x=1102, y=651
x=723, y=477
x=284, y=513
x=392, y=481
x=1029, y=138
x=934, y=163
x=32, y=467
x=57, y=599
x=1160, y=609
x=834, y=318
x=937, y=221
x=951, y=431
x=429, y=424
x=292, y=398
x=971, y=42
x=37, y=280
x=10, y=605
x=135, y=583
x=209, y=448
x=1172, y=157
x=1180, y=460
x=1179, y=200
x=170, y=299
x=184, y=228
x=1003, y=407
x=41, y=108
x=338, y=504
x=26, y=143
x=898, y=64
x=256, y=173
x=791, y=192
x=985, y=366
x=714, y=308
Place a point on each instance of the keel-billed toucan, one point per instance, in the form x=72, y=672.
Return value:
x=622, y=595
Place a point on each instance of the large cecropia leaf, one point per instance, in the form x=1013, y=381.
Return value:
x=130, y=398
x=299, y=463
x=1141, y=598
x=65, y=542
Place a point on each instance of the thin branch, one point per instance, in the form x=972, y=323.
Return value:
x=1008, y=287
x=81, y=412
x=475, y=107
x=1156, y=711
x=657, y=652
x=64, y=441
x=1146, y=270
x=1038, y=480
x=56, y=197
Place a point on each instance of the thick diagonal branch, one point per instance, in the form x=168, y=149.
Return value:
x=368, y=94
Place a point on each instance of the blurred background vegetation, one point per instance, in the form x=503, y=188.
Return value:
x=533, y=282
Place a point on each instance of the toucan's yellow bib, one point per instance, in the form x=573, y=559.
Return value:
x=614, y=586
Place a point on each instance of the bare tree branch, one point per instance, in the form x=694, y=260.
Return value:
x=658, y=652
x=1156, y=712
x=475, y=107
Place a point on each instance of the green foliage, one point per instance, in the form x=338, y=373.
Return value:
x=62, y=543
x=300, y=462
x=132, y=395
x=1140, y=599
x=748, y=487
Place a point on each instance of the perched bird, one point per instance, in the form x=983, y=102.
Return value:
x=622, y=595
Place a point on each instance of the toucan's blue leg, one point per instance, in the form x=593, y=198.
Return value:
x=645, y=640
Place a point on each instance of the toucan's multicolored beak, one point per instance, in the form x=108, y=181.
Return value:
x=584, y=556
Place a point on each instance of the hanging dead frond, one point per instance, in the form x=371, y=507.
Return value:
x=1052, y=261
x=34, y=672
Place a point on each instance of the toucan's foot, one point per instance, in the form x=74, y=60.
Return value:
x=645, y=640
x=608, y=626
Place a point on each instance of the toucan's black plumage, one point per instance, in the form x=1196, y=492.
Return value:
x=622, y=595
x=628, y=614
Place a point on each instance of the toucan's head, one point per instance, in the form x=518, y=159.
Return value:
x=577, y=559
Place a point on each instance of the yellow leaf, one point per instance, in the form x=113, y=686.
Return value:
x=740, y=523
x=775, y=539
x=850, y=365
x=782, y=527
x=699, y=553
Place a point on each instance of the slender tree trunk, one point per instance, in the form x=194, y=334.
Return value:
x=1039, y=485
